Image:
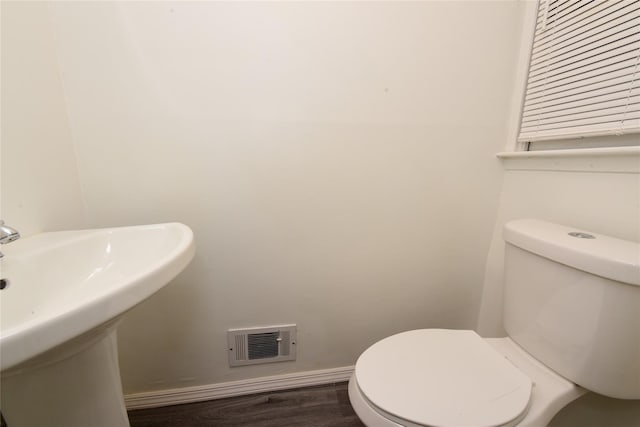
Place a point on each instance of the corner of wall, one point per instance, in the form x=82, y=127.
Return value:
x=489, y=321
x=40, y=184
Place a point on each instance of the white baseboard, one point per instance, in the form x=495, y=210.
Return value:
x=176, y=396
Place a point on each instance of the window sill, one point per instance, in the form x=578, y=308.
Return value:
x=614, y=159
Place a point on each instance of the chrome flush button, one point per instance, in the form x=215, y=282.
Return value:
x=581, y=235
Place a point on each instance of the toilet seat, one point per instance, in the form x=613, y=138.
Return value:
x=435, y=377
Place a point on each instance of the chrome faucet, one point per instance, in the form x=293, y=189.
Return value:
x=7, y=235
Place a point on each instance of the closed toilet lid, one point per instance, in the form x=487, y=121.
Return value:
x=437, y=377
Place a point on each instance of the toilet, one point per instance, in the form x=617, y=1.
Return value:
x=572, y=315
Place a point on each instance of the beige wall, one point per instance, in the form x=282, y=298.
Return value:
x=602, y=202
x=40, y=186
x=593, y=193
x=335, y=160
x=319, y=153
x=600, y=193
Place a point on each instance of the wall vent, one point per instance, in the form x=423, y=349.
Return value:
x=250, y=346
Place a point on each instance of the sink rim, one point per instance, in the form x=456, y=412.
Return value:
x=23, y=342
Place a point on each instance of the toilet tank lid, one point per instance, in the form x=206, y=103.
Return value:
x=594, y=253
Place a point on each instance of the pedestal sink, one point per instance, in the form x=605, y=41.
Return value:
x=59, y=311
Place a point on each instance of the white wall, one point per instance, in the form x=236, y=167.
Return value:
x=335, y=160
x=40, y=187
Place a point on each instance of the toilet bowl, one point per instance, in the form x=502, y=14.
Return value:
x=470, y=381
x=571, y=311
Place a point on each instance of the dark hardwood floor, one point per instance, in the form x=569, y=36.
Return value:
x=319, y=406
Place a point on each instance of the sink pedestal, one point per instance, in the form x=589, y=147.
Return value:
x=74, y=385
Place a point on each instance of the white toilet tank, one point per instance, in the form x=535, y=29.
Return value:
x=573, y=303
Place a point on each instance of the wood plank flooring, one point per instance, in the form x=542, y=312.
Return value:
x=319, y=406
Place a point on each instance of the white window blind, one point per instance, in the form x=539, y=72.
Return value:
x=584, y=74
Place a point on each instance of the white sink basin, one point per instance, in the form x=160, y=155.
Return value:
x=66, y=288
